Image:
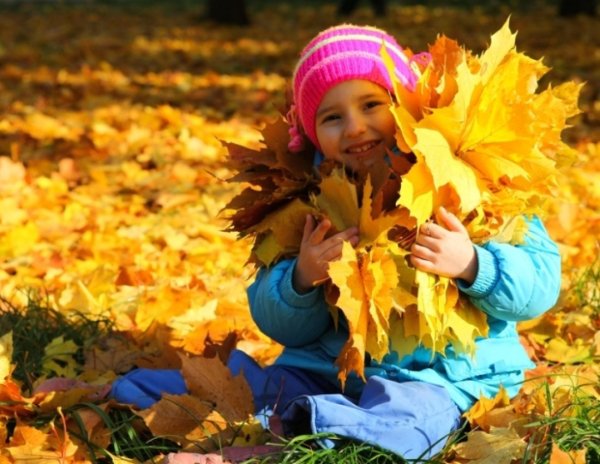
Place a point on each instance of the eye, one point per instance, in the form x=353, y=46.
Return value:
x=373, y=104
x=330, y=117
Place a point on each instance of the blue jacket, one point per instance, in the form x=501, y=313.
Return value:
x=513, y=283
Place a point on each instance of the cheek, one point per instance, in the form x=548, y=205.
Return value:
x=328, y=139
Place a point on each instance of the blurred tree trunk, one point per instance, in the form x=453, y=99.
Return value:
x=228, y=12
x=574, y=7
x=347, y=7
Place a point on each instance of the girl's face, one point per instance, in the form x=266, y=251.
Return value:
x=354, y=124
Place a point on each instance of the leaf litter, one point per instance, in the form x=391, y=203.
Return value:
x=111, y=186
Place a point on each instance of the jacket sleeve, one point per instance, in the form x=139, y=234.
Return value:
x=281, y=313
x=517, y=282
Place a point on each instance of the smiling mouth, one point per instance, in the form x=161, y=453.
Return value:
x=358, y=149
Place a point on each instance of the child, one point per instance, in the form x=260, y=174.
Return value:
x=411, y=404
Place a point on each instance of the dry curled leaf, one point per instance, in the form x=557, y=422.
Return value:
x=499, y=446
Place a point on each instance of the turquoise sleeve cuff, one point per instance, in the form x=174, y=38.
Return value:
x=291, y=297
x=487, y=276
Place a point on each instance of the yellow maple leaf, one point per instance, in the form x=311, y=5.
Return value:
x=464, y=325
x=494, y=126
x=380, y=277
x=371, y=228
x=64, y=399
x=345, y=273
x=59, y=357
x=417, y=192
x=162, y=304
x=283, y=231
x=86, y=298
x=430, y=299
x=338, y=200
x=411, y=101
x=251, y=433
x=365, y=281
x=268, y=249
x=121, y=459
x=559, y=350
x=486, y=147
x=503, y=41
x=20, y=240
x=448, y=169
x=43, y=127
x=484, y=405
x=6, y=353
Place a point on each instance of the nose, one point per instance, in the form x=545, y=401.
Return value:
x=355, y=125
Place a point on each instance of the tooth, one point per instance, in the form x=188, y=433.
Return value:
x=363, y=148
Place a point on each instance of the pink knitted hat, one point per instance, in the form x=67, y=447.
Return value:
x=335, y=55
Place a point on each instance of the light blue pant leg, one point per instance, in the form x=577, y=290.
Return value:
x=411, y=419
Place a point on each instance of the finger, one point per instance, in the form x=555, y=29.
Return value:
x=423, y=235
x=450, y=221
x=333, y=253
x=429, y=231
x=425, y=228
x=429, y=242
x=318, y=234
x=422, y=264
x=309, y=226
x=422, y=252
x=348, y=233
x=335, y=242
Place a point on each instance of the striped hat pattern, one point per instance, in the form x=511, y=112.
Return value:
x=339, y=54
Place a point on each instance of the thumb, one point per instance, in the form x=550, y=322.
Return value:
x=450, y=221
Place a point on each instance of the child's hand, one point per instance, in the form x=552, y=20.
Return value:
x=445, y=249
x=316, y=252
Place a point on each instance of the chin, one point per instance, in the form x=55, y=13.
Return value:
x=364, y=162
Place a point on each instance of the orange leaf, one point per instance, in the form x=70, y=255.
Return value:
x=12, y=401
x=186, y=420
x=96, y=430
x=479, y=413
x=559, y=456
x=161, y=305
x=133, y=277
x=29, y=444
x=210, y=380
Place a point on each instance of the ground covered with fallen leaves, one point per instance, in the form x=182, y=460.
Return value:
x=112, y=177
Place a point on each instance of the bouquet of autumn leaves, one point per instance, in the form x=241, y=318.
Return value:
x=474, y=137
